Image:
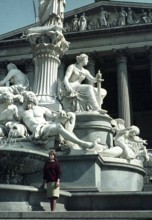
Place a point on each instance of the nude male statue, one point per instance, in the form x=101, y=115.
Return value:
x=34, y=118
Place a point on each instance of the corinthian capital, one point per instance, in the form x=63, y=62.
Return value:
x=149, y=52
x=121, y=54
x=48, y=35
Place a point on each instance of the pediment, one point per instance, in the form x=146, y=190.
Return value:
x=92, y=13
x=114, y=14
x=17, y=34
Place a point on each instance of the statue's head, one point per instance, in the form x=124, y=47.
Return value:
x=7, y=97
x=11, y=66
x=135, y=130
x=30, y=98
x=82, y=57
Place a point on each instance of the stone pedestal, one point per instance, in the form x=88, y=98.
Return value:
x=91, y=126
x=22, y=173
x=92, y=173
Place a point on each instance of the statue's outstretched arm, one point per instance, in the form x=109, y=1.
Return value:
x=7, y=78
x=90, y=77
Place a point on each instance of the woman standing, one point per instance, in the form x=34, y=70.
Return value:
x=51, y=176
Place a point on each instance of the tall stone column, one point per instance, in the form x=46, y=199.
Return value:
x=91, y=66
x=48, y=45
x=123, y=88
x=3, y=70
x=149, y=55
x=61, y=73
x=29, y=70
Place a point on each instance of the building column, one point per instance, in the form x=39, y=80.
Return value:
x=61, y=73
x=91, y=66
x=123, y=88
x=3, y=70
x=149, y=55
x=29, y=70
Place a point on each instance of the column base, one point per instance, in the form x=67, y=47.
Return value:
x=52, y=105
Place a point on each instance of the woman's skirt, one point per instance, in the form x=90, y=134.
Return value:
x=52, y=190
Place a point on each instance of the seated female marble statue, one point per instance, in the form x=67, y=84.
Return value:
x=17, y=80
x=76, y=96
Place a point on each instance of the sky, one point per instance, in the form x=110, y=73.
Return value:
x=16, y=14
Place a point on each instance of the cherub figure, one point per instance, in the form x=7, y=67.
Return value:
x=9, y=117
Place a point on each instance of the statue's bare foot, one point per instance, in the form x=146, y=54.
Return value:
x=87, y=145
x=97, y=146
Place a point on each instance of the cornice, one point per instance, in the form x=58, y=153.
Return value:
x=120, y=30
x=109, y=31
x=12, y=42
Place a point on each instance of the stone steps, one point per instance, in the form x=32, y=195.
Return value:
x=83, y=215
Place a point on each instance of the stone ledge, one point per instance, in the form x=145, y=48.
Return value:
x=78, y=215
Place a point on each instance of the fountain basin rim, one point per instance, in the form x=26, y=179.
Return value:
x=20, y=150
x=18, y=187
x=29, y=188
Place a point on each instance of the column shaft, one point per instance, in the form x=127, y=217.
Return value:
x=149, y=54
x=45, y=82
x=123, y=90
x=61, y=73
x=91, y=67
x=29, y=69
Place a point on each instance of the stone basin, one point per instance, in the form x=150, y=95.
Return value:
x=16, y=164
